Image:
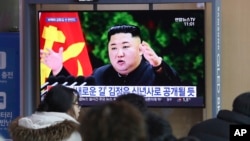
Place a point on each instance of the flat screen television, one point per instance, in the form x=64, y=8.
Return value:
x=175, y=35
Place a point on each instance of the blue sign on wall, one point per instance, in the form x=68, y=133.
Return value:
x=9, y=80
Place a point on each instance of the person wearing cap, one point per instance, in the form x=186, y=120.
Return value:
x=218, y=128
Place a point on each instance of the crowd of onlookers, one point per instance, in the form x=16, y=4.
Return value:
x=125, y=119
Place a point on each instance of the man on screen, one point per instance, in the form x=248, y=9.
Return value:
x=133, y=61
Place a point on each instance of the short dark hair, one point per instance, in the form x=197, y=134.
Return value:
x=158, y=128
x=113, y=121
x=134, y=30
x=59, y=98
x=241, y=104
x=136, y=100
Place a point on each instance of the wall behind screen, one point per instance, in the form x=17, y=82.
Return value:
x=235, y=49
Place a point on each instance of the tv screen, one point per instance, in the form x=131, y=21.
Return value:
x=76, y=43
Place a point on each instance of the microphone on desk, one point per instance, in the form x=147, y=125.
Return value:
x=61, y=80
x=50, y=81
x=79, y=80
x=70, y=80
x=90, y=81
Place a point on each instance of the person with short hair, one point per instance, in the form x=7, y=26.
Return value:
x=113, y=121
x=218, y=128
x=54, y=120
x=158, y=128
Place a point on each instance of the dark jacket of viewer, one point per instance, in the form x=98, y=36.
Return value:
x=218, y=129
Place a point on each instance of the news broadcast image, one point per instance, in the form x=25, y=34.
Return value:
x=175, y=35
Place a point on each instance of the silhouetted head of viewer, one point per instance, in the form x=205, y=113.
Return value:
x=61, y=99
x=158, y=128
x=113, y=121
x=136, y=100
x=54, y=119
x=241, y=104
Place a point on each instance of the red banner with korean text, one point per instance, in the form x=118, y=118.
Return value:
x=63, y=29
